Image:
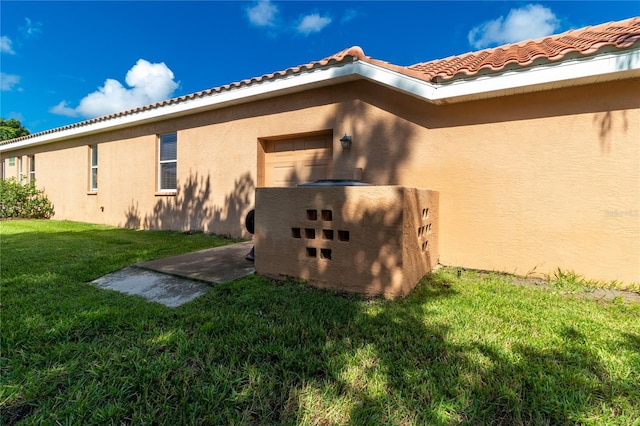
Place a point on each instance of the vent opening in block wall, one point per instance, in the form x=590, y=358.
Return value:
x=426, y=229
x=327, y=215
x=309, y=233
x=325, y=254
x=343, y=236
x=327, y=234
x=312, y=252
x=296, y=233
x=425, y=213
x=424, y=245
x=312, y=215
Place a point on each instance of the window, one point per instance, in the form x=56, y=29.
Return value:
x=32, y=168
x=168, y=162
x=20, y=174
x=93, y=170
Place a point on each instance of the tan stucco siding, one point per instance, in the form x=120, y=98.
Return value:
x=527, y=182
x=217, y=167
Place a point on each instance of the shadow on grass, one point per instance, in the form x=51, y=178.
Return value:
x=255, y=351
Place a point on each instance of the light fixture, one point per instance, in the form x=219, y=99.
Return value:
x=345, y=141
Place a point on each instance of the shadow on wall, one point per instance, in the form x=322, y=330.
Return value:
x=605, y=121
x=380, y=147
x=370, y=240
x=191, y=209
x=358, y=236
x=608, y=103
x=229, y=218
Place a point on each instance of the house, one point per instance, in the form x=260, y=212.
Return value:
x=533, y=147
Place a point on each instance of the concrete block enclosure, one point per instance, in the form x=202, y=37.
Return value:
x=371, y=240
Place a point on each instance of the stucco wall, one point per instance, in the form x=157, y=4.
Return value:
x=527, y=183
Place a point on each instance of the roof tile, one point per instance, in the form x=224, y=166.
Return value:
x=584, y=41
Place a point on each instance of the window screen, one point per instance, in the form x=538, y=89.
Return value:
x=168, y=162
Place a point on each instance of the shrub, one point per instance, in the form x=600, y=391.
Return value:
x=23, y=200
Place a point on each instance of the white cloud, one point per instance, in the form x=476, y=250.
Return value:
x=349, y=15
x=6, y=45
x=263, y=14
x=16, y=115
x=31, y=29
x=8, y=82
x=148, y=83
x=529, y=22
x=313, y=23
x=63, y=109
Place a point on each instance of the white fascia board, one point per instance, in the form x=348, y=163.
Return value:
x=254, y=91
x=604, y=67
x=397, y=81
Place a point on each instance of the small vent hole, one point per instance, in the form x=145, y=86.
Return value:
x=327, y=234
x=312, y=252
x=312, y=215
x=309, y=233
x=296, y=233
x=327, y=215
x=343, y=235
x=325, y=254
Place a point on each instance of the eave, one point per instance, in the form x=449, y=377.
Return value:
x=608, y=66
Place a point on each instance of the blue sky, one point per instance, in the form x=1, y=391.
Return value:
x=63, y=62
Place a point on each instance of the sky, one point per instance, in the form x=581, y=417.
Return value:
x=64, y=62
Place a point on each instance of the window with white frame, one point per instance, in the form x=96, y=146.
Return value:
x=93, y=169
x=20, y=174
x=32, y=169
x=168, y=162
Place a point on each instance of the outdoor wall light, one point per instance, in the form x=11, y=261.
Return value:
x=345, y=141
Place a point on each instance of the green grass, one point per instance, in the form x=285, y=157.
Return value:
x=470, y=350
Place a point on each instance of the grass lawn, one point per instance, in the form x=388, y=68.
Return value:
x=475, y=349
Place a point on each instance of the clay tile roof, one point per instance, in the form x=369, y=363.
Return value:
x=584, y=41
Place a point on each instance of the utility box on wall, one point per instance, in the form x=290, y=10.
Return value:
x=371, y=240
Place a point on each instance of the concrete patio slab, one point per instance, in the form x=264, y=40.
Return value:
x=215, y=265
x=176, y=280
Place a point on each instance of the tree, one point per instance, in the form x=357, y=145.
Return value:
x=11, y=128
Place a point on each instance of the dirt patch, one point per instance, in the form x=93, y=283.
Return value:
x=595, y=293
x=609, y=294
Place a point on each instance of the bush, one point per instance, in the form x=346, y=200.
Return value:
x=23, y=200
